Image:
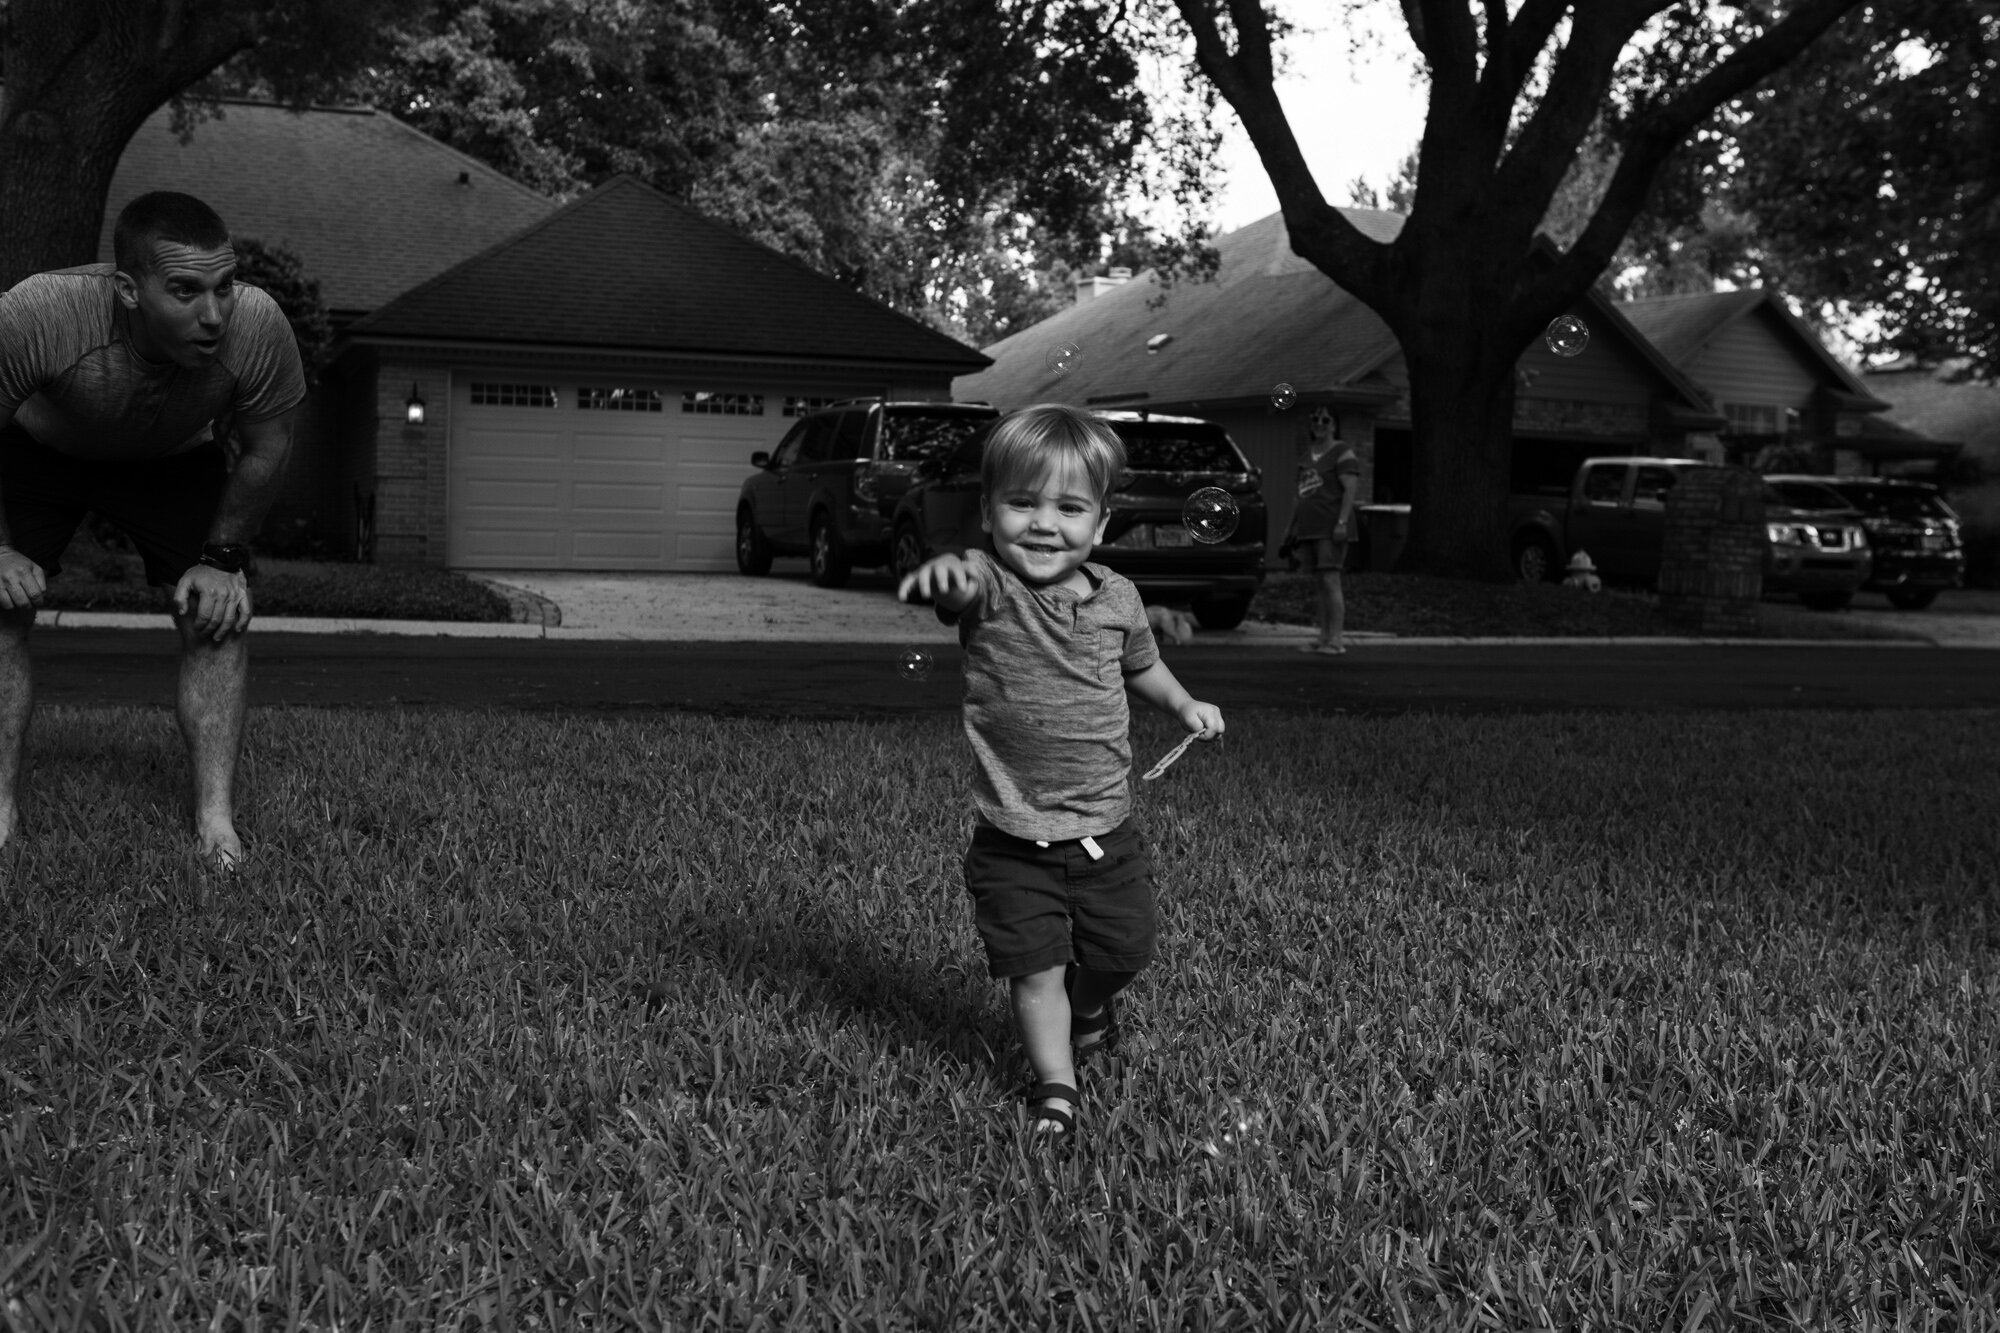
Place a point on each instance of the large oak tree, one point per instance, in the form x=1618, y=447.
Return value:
x=81, y=76
x=1516, y=88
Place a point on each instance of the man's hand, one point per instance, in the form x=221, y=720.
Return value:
x=946, y=578
x=221, y=601
x=22, y=582
x=1203, y=718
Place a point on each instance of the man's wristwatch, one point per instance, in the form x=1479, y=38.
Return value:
x=230, y=558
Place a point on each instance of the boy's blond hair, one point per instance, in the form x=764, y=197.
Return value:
x=1051, y=439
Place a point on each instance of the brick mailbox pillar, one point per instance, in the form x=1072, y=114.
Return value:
x=1712, y=564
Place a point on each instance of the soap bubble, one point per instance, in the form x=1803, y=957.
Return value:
x=1063, y=356
x=1567, y=336
x=1284, y=396
x=1210, y=515
x=915, y=665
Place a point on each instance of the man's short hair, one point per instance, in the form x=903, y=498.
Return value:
x=163, y=216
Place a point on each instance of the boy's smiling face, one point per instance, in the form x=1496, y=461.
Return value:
x=1045, y=532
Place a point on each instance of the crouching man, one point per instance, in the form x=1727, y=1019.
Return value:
x=110, y=378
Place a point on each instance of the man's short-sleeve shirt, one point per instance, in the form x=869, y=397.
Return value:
x=70, y=375
x=1318, y=514
x=1045, y=705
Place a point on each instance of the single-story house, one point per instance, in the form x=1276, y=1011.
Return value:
x=1787, y=398
x=1932, y=399
x=1222, y=349
x=593, y=376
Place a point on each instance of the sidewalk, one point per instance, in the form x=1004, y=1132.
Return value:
x=785, y=608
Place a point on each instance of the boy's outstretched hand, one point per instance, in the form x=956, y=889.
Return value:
x=1205, y=719
x=947, y=579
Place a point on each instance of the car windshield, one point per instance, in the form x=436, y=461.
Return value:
x=1809, y=495
x=1178, y=446
x=912, y=437
x=1905, y=502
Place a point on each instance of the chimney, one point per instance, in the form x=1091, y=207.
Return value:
x=1090, y=288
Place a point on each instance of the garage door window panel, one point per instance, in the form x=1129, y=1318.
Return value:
x=590, y=398
x=488, y=393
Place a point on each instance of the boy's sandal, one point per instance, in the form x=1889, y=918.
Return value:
x=1064, y=1121
x=1101, y=1031
x=1091, y=1035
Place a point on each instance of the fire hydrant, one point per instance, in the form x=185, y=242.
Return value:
x=1583, y=574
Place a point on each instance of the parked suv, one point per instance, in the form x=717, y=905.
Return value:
x=1145, y=539
x=1914, y=534
x=827, y=490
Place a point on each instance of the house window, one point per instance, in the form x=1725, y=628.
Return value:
x=619, y=400
x=723, y=404
x=1754, y=418
x=797, y=405
x=512, y=395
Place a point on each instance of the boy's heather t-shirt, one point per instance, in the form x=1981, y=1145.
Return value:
x=1045, y=704
x=74, y=381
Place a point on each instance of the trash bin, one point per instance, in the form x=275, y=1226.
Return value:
x=1384, y=531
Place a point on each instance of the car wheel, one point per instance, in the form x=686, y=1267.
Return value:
x=827, y=558
x=1912, y=599
x=1222, y=612
x=753, y=552
x=906, y=554
x=1826, y=601
x=1536, y=560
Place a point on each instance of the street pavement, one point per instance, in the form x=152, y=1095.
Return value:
x=780, y=647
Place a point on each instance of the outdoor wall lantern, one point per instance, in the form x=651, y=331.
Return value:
x=414, y=409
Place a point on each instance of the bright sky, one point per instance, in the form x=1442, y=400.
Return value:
x=1355, y=116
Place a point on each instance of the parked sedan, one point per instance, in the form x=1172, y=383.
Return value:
x=1915, y=536
x=1167, y=458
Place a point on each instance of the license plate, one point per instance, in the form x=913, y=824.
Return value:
x=1170, y=534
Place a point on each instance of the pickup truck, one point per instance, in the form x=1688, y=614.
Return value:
x=1616, y=510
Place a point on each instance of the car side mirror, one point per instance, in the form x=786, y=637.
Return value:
x=762, y=458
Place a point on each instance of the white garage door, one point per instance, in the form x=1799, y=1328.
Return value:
x=557, y=473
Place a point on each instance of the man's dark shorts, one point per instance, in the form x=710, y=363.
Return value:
x=1038, y=907
x=165, y=505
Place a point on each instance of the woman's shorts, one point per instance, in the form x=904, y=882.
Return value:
x=1322, y=555
x=1037, y=907
x=165, y=505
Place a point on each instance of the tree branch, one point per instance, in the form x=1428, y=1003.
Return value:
x=1663, y=128
x=1318, y=231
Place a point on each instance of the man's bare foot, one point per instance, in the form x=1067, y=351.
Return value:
x=221, y=846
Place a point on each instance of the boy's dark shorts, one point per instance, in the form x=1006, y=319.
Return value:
x=165, y=505
x=1037, y=907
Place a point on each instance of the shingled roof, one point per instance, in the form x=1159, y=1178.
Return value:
x=371, y=206
x=1268, y=317
x=1680, y=326
x=626, y=268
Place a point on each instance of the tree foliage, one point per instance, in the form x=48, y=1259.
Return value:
x=1871, y=170
x=1516, y=92
x=282, y=275
x=929, y=153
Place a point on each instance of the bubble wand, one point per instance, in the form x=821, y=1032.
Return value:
x=1171, y=755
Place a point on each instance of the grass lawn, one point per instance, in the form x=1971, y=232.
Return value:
x=1613, y=1022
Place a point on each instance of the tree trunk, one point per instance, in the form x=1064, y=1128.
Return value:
x=56, y=164
x=81, y=78
x=1462, y=449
